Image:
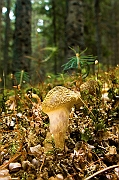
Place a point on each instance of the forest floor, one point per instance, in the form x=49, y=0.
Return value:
x=91, y=144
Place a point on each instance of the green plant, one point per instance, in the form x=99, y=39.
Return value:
x=80, y=62
x=21, y=77
x=13, y=147
x=100, y=125
x=86, y=136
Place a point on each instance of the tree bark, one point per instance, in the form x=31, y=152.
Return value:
x=54, y=33
x=6, y=39
x=1, y=5
x=115, y=33
x=22, y=36
x=1, y=54
x=97, y=25
x=74, y=26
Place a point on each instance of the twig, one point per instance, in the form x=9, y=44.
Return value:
x=18, y=153
x=11, y=160
x=42, y=163
x=101, y=171
x=86, y=106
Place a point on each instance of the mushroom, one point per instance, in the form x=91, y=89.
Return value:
x=57, y=105
x=91, y=86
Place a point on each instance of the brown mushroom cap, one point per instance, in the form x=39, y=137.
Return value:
x=58, y=97
x=89, y=86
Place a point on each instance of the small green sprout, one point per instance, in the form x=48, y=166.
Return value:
x=22, y=77
x=80, y=62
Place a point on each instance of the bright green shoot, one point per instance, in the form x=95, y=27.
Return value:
x=21, y=77
x=80, y=62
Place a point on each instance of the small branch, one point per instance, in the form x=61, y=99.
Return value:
x=101, y=171
x=42, y=163
x=3, y=166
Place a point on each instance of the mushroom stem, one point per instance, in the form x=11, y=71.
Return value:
x=57, y=105
x=58, y=125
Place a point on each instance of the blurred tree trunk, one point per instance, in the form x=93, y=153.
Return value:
x=74, y=26
x=1, y=5
x=6, y=39
x=115, y=33
x=22, y=36
x=58, y=14
x=97, y=25
x=55, y=32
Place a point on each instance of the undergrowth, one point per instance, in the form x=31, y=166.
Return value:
x=23, y=124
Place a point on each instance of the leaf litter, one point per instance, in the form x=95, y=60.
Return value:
x=27, y=149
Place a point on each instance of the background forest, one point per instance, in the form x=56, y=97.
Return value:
x=35, y=35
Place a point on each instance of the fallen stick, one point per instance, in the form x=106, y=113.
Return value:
x=3, y=166
x=101, y=171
